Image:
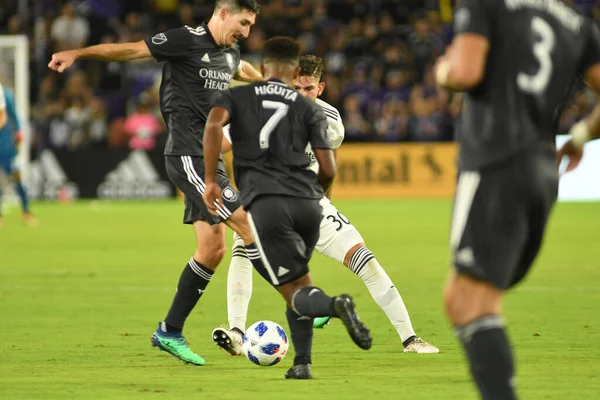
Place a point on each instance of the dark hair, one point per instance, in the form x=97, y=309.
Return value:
x=239, y=5
x=281, y=49
x=311, y=66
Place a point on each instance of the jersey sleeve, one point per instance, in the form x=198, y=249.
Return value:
x=335, y=132
x=591, y=55
x=317, y=128
x=472, y=16
x=222, y=98
x=173, y=44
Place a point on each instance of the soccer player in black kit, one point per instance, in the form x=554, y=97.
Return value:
x=271, y=125
x=198, y=62
x=516, y=60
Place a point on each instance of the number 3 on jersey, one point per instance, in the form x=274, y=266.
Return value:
x=281, y=109
x=537, y=83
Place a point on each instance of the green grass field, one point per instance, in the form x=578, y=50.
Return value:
x=81, y=295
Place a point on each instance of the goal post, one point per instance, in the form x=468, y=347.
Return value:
x=14, y=74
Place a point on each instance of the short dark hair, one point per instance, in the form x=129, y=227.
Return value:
x=311, y=66
x=250, y=5
x=281, y=49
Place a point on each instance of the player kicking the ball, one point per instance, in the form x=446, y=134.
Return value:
x=271, y=125
x=339, y=240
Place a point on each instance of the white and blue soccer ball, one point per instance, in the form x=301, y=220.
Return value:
x=265, y=343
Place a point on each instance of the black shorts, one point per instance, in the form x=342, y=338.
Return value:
x=500, y=216
x=187, y=173
x=285, y=230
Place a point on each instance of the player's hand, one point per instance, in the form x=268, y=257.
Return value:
x=62, y=60
x=212, y=197
x=572, y=152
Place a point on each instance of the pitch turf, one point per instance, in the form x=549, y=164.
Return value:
x=81, y=295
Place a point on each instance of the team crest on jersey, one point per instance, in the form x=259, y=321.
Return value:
x=229, y=59
x=159, y=38
x=229, y=194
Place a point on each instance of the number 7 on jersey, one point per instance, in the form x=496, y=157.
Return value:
x=281, y=110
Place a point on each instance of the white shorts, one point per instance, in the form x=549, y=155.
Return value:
x=337, y=234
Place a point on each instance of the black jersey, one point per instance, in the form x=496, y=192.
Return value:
x=537, y=50
x=195, y=67
x=271, y=125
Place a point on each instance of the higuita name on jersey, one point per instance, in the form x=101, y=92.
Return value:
x=277, y=89
x=215, y=79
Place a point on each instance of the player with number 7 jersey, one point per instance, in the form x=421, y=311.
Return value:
x=338, y=240
x=271, y=126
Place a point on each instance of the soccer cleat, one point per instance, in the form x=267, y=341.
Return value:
x=176, y=345
x=320, y=322
x=301, y=371
x=420, y=346
x=346, y=311
x=229, y=339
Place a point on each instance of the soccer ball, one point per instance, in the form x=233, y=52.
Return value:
x=265, y=343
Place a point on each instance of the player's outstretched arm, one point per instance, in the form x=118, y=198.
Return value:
x=218, y=117
x=105, y=52
x=327, y=168
x=248, y=73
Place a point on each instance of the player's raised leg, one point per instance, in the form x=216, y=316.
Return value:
x=285, y=251
x=341, y=241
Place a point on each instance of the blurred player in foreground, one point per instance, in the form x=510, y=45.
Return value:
x=516, y=60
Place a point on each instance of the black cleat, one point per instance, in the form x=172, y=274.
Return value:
x=300, y=371
x=345, y=309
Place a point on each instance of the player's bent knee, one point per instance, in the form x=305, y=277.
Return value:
x=210, y=256
x=288, y=290
x=351, y=253
x=211, y=244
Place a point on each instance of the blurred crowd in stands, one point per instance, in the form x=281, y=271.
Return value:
x=378, y=56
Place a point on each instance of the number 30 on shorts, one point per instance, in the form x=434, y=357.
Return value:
x=339, y=219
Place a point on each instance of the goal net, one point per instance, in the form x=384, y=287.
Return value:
x=14, y=75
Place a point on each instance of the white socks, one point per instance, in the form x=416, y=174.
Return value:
x=239, y=286
x=383, y=291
